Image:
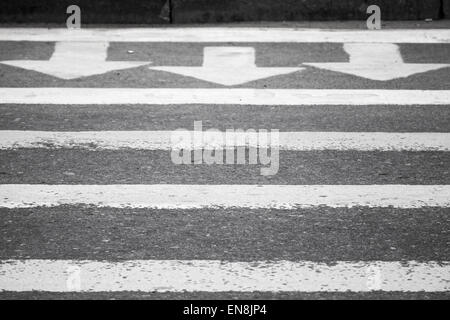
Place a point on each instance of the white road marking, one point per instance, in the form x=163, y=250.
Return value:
x=260, y=97
x=378, y=61
x=248, y=35
x=184, y=196
x=72, y=60
x=228, y=66
x=167, y=140
x=221, y=276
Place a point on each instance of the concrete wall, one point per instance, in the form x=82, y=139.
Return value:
x=446, y=8
x=186, y=11
x=199, y=11
x=92, y=11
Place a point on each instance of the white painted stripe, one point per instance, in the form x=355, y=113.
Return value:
x=162, y=196
x=262, y=97
x=227, y=35
x=168, y=140
x=220, y=276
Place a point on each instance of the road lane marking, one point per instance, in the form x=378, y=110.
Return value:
x=163, y=196
x=72, y=60
x=378, y=61
x=166, y=140
x=228, y=66
x=221, y=276
x=217, y=35
x=185, y=96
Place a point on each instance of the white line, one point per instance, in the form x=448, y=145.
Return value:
x=168, y=140
x=220, y=276
x=262, y=97
x=227, y=35
x=161, y=196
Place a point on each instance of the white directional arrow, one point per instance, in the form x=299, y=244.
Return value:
x=228, y=66
x=72, y=60
x=377, y=61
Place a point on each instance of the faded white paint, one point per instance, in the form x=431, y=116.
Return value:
x=218, y=34
x=161, y=196
x=166, y=140
x=260, y=97
x=72, y=60
x=222, y=276
x=378, y=61
x=228, y=66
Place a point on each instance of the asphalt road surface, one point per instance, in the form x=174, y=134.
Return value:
x=370, y=216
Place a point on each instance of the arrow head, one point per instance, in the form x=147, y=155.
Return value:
x=63, y=70
x=72, y=60
x=228, y=76
x=379, y=61
x=377, y=72
x=228, y=66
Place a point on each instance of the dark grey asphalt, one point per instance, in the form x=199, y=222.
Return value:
x=284, y=118
x=225, y=296
x=153, y=167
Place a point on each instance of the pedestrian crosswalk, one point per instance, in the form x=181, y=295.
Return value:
x=406, y=215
